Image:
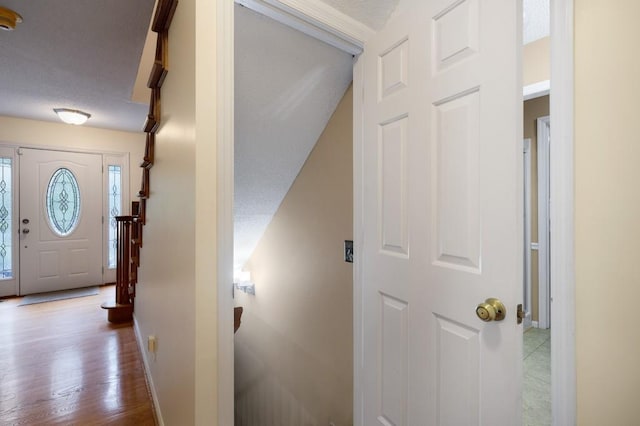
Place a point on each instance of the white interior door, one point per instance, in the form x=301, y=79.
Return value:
x=442, y=216
x=60, y=220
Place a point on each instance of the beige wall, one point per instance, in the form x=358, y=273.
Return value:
x=294, y=348
x=176, y=295
x=536, y=61
x=17, y=131
x=534, y=109
x=607, y=206
x=165, y=292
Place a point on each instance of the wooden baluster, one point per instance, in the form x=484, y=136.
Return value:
x=122, y=309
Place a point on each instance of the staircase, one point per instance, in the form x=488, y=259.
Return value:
x=130, y=227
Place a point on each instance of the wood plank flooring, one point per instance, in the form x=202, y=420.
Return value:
x=62, y=363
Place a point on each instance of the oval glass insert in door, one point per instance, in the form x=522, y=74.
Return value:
x=63, y=202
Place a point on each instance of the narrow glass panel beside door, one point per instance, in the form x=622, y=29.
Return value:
x=115, y=209
x=6, y=213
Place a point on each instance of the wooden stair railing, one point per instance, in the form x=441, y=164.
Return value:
x=122, y=309
x=130, y=227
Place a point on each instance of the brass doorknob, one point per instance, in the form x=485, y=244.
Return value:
x=491, y=310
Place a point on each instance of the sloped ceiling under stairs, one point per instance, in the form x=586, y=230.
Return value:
x=287, y=86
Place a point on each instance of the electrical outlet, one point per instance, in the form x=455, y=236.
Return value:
x=152, y=344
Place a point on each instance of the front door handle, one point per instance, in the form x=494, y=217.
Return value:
x=491, y=309
x=25, y=230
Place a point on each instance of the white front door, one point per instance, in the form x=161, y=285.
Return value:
x=60, y=220
x=441, y=217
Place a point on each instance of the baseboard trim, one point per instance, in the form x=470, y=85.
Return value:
x=534, y=324
x=147, y=371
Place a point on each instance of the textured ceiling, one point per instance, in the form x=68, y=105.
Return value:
x=74, y=54
x=85, y=55
x=372, y=13
x=536, y=20
x=287, y=86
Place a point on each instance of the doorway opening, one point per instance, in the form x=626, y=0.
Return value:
x=562, y=195
x=537, y=333
x=57, y=218
x=292, y=213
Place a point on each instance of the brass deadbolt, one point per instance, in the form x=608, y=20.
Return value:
x=491, y=310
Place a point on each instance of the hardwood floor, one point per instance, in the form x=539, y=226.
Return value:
x=62, y=363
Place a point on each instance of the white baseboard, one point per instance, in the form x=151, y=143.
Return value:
x=534, y=324
x=147, y=371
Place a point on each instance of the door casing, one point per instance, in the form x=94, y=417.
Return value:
x=108, y=157
x=561, y=195
x=543, y=222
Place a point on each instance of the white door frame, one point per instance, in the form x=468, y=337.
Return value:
x=112, y=157
x=562, y=271
x=122, y=160
x=543, y=222
x=214, y=364
x=526, y=151
x=107, y=158
x=563, y=388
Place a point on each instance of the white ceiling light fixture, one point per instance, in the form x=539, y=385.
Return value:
x=9, y=19
x=72, y=116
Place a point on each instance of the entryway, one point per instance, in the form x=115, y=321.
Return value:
x=60, y=220
x=57, y=218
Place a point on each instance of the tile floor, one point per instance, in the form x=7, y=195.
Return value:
x=537, y=377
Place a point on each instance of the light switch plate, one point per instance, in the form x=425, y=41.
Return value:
x=348, y=251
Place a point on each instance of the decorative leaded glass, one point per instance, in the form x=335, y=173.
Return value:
x=63, y=202
x=115, y=209
x=6, y=235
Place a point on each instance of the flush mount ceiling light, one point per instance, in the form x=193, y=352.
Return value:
x=9, y=19
x=72, y=116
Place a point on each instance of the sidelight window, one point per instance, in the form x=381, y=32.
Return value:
x=6, y=213
x=115, y=209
